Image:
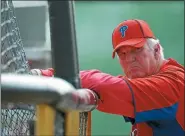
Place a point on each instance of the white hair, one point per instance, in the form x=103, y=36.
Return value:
x=152, y=42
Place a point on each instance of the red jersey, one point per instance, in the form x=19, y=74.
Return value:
x=154, y=105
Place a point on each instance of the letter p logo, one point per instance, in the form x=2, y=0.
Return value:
x=123, y=30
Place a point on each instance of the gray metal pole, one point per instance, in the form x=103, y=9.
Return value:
x=63, y=41
x=64, y=48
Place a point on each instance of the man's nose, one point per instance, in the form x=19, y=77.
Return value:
x=130, y=57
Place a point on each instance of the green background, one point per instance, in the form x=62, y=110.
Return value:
x=95, y=22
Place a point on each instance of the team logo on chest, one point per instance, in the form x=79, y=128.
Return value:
x=134, y=132
x=122, y=30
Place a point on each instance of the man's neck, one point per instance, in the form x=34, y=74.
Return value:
x=161, y=64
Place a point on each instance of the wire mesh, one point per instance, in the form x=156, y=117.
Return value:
x=83, y=123
x=15, y=121
x=13, y=58
x=14, y=118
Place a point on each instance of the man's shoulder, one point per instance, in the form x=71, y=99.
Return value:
x=173, y=71
x=172, y=66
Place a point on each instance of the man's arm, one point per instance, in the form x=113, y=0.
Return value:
x=115, y=96
x=43, y=72
x=154, y=98
x=144, y=99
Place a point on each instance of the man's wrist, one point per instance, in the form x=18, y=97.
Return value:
x=36, y=72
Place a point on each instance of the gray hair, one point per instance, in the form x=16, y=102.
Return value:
x=152, y=42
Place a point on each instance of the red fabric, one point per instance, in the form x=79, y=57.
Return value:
x=157, y=91
x=141, y=130
x=115, y=96
x=48, y=72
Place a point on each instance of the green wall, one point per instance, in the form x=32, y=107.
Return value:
x=95, y=22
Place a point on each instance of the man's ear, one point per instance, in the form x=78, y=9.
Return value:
x=157, y=51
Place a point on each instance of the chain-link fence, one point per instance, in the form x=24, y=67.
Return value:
x=15, y=119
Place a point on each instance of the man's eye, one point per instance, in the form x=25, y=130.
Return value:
x=123, y=54
x=138, y=49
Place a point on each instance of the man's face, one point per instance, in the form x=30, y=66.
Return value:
x=137, y=62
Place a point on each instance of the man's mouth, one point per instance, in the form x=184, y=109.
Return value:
x=133, y=68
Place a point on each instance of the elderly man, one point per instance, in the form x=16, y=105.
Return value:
x=151, y=94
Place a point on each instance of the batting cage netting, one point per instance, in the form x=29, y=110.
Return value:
x=16, y=118
x=13, y=57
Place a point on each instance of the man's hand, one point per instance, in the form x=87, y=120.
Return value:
x=46, y=72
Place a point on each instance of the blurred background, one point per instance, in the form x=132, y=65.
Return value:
x=95, y=22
